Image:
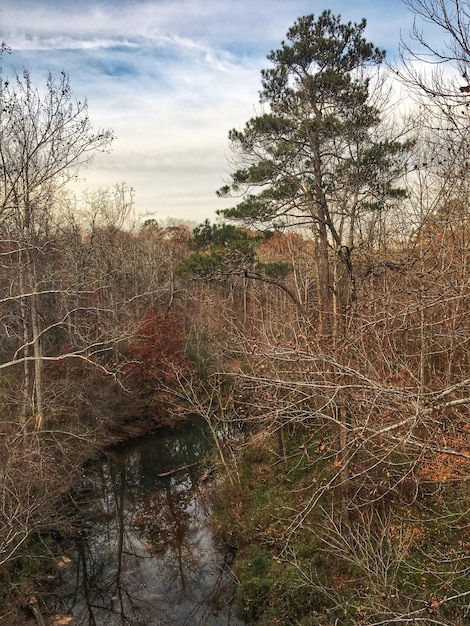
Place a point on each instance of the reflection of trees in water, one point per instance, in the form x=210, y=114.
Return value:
x=150, y=548
x=104, y=560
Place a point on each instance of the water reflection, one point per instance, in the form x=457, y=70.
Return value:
x=149, y=555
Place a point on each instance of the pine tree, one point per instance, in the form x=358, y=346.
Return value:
x=315, y=156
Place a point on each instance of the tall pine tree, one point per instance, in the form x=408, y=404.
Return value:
x=315, y=156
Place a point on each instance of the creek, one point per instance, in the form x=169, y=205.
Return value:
x=148, y=555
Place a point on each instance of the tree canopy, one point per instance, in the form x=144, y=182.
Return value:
x=315, y=154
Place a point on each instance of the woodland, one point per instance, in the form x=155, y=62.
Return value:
x=323, y=320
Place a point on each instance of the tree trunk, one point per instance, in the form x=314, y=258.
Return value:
x=37, y=352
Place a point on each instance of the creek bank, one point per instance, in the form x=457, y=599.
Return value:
x=301, y=560
x=65, y=456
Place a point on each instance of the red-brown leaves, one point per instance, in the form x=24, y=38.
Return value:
x=156, y=350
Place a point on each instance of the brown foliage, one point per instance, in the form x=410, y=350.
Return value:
x=156, y=350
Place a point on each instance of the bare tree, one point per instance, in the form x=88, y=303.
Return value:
x=45, y=137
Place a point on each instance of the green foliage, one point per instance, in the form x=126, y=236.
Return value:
x=270, y=591
x=150, y=223
x=257, y=209
x=279, y=269
x=255, y=584
x=207, y=235
x=201, y=264
x=224, y=250
x=218, y=250
x=315, y=157
x=328, y=53
x=18, y=578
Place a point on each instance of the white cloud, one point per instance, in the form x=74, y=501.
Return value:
x=170, y=77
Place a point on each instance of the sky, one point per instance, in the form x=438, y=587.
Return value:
x=171, y=78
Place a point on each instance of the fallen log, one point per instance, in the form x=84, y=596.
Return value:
x=179, y=469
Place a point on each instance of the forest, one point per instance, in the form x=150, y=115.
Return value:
x=324, y=318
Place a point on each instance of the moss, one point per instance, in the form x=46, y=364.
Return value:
x=254, y=518
x=270, y=590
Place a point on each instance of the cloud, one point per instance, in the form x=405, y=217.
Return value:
x=171, y=77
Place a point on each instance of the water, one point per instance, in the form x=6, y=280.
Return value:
x=149, y=556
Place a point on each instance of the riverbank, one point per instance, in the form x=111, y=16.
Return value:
x=308, y=554
x=44, y=471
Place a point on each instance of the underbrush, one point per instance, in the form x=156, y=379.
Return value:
x=305, y=554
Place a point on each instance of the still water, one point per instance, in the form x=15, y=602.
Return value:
x=148, y=555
